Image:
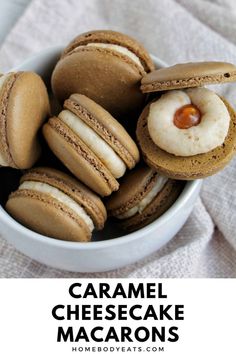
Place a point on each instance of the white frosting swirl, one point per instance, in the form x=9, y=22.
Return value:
x=202, y=138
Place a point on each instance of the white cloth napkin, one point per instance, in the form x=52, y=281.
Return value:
x=175, y=31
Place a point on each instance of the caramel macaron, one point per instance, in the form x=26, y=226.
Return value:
x=24, y=106
x=185, y=75
x=56, y=205
x=107, y=67
x=91, y=144
x=188, y=133
x=143, y=196
x=186, y=167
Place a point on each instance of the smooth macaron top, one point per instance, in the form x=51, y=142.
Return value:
x=185, y=75
x=23, y=111
x=107, y=67
x=57, y=205
x=112, y=37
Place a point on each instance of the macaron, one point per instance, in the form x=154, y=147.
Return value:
x=188, y=133
x=186, y=167
x=106, y=66
x=188, y=75
x=56, y=205
x=91, y=144
x=24, y=105
x=143, y=196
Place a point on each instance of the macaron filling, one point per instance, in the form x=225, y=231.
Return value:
x=116, y=48
x=157, y=187
x=60, y=197
x=3, y=161
x=209, y=132
x=99, y=147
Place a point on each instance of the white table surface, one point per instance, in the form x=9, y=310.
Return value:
x=10, y=11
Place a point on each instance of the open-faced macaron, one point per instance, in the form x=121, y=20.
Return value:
x=107, y=67
x=143, y=196
x=24, y=105
x=91, y=144
x=188, y=133
x=54, y=204
x=186, y=75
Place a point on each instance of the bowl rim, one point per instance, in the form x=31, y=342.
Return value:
x=189, y=189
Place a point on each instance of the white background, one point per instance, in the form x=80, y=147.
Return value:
x=10, y=11
x=27, y=326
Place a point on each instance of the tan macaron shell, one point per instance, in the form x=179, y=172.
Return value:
x=74, y=189
x=134, y=187
x=25, y=111
x=112, y=37
x=4, y=96
x=186, y=168
x=188, y=75
x=108, y=128
x=160, y=204
x=110, y=78
x=46, y=215
x=78, y=158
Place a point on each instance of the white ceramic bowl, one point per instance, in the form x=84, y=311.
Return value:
x=111, y=252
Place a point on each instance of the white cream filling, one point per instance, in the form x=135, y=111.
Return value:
x=61, y=197
x=204, y=137
x=3, y=79
x=117, y=48
x=105, y=153
x=161, y=181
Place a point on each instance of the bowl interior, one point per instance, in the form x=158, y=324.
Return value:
x=43, y=64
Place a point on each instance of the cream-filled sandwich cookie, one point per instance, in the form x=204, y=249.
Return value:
x=143, y=196
x=24, y=105
x=91, y=143
x=107, y=67
x=56, y=205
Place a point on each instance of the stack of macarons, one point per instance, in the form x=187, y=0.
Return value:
x=103, y=82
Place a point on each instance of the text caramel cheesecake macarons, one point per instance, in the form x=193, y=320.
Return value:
x=106, y=66
x=188, y=133
x=24, y=105
x=143, y=196
x=54, y=204
x=91, y=144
